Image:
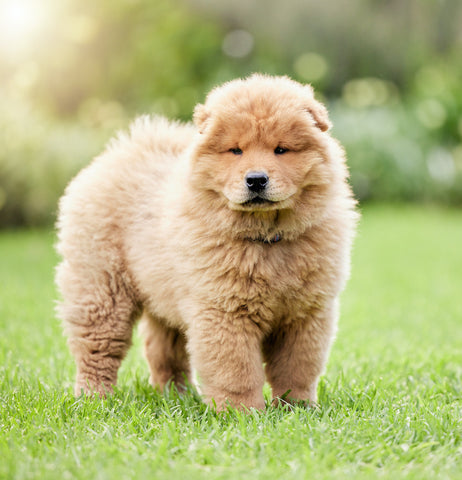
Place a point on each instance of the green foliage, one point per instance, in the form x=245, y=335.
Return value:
x=390, y=404
x=330, y=43
x=72, y=72
x=37, y=159
x=404, y=148
x=136, y=54
x=394, y=158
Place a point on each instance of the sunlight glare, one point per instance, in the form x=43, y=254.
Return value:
x=21, y=22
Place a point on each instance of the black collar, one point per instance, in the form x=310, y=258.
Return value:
x=275, y=239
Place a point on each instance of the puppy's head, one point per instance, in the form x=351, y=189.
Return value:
x=262, y=143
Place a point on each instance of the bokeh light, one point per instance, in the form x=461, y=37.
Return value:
x=431, y=113
x=311, y=67
x=238, y=43
x=22, y=23
x=366, y=92
x=441, y=165
x=74, y=71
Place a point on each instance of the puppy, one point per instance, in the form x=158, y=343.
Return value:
x=231, y=238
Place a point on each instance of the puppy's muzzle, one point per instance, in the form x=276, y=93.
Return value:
x=256, y=181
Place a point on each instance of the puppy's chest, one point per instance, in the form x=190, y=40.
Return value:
x=263, y=302
x=260, y=284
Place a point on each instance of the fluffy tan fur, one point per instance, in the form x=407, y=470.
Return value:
x=162, y=226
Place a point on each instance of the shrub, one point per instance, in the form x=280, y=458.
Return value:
x=397, y=151
x=37, y=158
x=393, y=158
x=407, y=148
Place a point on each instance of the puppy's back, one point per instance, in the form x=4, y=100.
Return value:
x=125, y=181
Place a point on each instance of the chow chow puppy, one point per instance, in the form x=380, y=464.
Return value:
x=231, y=239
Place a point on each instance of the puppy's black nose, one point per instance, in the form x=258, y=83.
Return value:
x=256, y=181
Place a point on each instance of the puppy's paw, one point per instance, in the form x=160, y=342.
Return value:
x=289, y=400
x=84, y=387
x=245, y=401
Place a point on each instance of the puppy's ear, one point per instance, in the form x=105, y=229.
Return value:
x=319, y=113
x=317, y=110
x=200, y=117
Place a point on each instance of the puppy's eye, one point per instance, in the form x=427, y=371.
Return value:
x=280, y=150
x=235, y=151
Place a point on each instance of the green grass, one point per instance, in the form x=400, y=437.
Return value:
x=390, y=401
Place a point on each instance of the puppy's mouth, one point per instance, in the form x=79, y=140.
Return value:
x=258, y=201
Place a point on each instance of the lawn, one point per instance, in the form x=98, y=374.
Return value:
x=390, y=403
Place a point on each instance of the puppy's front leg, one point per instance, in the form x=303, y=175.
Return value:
x=296, y=353
x=226, y=351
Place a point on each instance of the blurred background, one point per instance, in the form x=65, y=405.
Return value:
x=72, y=72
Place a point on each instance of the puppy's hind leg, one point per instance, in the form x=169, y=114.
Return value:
x=165, y=351
x=98, y=315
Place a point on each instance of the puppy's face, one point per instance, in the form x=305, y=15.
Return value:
x=261, y=143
